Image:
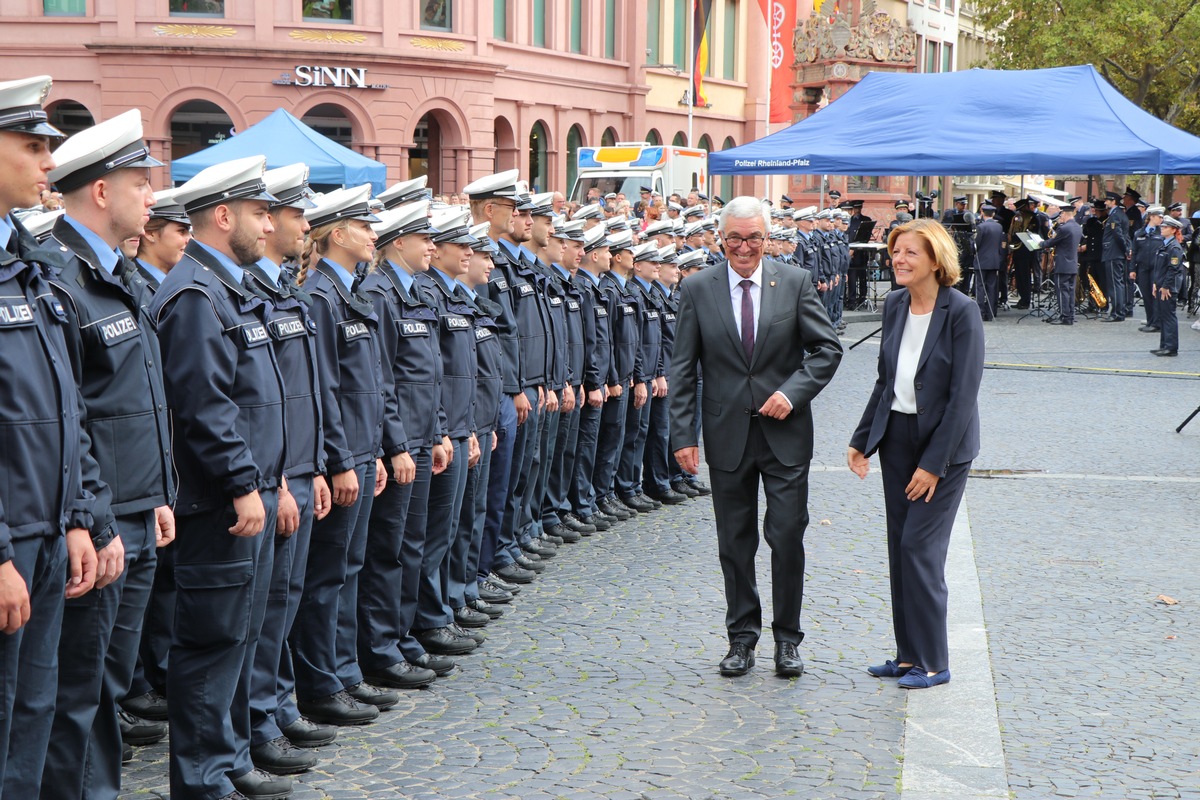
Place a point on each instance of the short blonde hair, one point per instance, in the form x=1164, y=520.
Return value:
x=938, y=245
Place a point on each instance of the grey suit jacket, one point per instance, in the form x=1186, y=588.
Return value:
x=1066, y=248
x=796, y=352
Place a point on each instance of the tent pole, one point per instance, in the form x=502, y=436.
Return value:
x=767, y=115
x=1158, y=198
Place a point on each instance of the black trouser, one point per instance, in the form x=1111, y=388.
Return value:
x=735, y=503
x=1064, y=289
x=985, y=292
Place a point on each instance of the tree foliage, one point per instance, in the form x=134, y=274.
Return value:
x=1150, y=51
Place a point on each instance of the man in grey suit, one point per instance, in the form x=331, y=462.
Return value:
x=1065, y=242
x=760, y=334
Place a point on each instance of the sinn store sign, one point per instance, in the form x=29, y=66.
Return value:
x=328, y=77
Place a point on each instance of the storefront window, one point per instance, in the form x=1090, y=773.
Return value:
x=436, y=15
x=328, y=10
x=64, y=8
x=197, y=8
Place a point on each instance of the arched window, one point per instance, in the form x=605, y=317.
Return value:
x=653, y=137
x=70, y=117
x=198, y=124
x=574, y=142
x=608, y=138
x=680, y=140
x=330, y=121
x=539, y=143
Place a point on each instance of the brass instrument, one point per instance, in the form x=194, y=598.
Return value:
x=1095, y=293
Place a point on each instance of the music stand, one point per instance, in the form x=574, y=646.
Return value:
x=1036, y=308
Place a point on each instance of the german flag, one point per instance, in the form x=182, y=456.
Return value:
x=701, y=9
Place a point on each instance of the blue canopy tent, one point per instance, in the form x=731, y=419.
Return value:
x=1061, y=121
x=284, y=140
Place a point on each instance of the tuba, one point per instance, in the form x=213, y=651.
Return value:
x=1095, y=293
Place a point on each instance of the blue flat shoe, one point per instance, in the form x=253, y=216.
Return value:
x=888, y=670
x=917, y=679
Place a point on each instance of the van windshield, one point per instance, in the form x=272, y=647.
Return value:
x=630, y=185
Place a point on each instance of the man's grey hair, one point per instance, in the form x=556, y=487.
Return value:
x=745, y=207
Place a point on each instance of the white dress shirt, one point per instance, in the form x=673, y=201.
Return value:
x=735, y=296
x=912, y=341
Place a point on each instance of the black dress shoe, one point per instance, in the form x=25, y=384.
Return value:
x=126, y=753
x=306, y=733
x=514, y=573
x=401, y=675
x=700, y=486
x=603, y=515
x=540, y=548
x=150, y=705
x=525, y=562
x=612, y=508
x=440, y=665
x=636, y=503
x=669, y=497
x=550, y=538
x=578, y=524
x=364, y=692
x=563, y=533
x=230, y=796
x=473, y=634
x=738, y=660
x=138, y=731
x=468, y=617
x=484, y=607
x=259, y=785
x=788, y=663
x=1149, y=329
x=338, y=708
x=654, y=504
x=444, y=642
x=684, y=488
x=492, y=594
x=596, y=522
x=1163, y=352
x=281, y=757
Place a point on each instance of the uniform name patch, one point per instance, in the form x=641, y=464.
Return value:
x=670, y=317
x=651, y=315
x=288, y=327
x=627, y=309
x=15, y=313
x=118, y=330
x=525, y=289
x=414, y=329
x=601, y=311
x=482, y=333
x=355, y=330
x=572, y=305
x=501, y=284
x=254, y=334
x=556, y=301
x=456, y=323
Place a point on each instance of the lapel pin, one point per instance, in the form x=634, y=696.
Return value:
x=772, y=283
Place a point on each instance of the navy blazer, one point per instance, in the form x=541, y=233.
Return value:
x=947, y=381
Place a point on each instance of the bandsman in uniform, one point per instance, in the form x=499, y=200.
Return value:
x=1117, y=253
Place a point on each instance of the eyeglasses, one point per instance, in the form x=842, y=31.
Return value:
x=754, y=240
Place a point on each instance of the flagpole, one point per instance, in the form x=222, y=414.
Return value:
x=691, y=91
x=767, y=120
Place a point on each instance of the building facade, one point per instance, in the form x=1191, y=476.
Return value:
x=454, y=89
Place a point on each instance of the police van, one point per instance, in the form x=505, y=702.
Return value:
x=628, y=166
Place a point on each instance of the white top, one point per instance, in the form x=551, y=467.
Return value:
x=735, y=296
x=912, y=341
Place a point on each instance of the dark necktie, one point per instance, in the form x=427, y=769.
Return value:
x=747, y=318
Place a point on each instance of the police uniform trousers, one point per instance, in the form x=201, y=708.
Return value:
x=608, y=445
x=464, y=584
x=272, y=682
x=786, y=518
x=1151, y=303
x=151, y=670
x=494, y=550
x=1064, y=291
x=582, y=495
x=986, y=288
x=839, y=295
x=1026, y=267
x=96, y=657
x=525, y=446
x=827, y=299
x=536, y=460
x=556, y=501
x=327, y=622
x=445, y=507
x=1167, y=319
x=1118, y=274
x=551, y=423
x=656, y=461
x=30, y=663
x=384, y=572
x=918, y=535
x=412, y=553
x=221, y=596
x=1130, y=286
x=633, y=447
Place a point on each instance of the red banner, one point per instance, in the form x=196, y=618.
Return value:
x=780, y=16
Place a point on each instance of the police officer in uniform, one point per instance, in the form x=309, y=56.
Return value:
x=1065, y=243
x=1168, y=276
x=991, y=249
x=104, y=174
x=277, y=728
x=226, y=396
x=1118, y=252
x=43, y=497
x=1147, y=241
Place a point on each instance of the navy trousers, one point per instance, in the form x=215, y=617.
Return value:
x=494, y=550
x=29, y=659
x=384, y=572
x=445, y=507
x=151, y=670
x=222, y=583
x=525, y=446
x=656, y=459
x=562, y=467
x=582, y=495
x=464, y=574
x=547, y=443
x=272, y=682
x=1064, y=290
x=608, y=445
x=1166, y=317
x=325, y=626
x=637, y=426
x=412, y=553
x=1118, y=276
x=918, y=536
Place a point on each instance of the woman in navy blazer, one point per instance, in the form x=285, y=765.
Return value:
x=923, y=418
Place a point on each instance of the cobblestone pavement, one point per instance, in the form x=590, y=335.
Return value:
x=601, y=682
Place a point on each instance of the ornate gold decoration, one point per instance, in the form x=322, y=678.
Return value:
x=429, y=43
x=328, y=37
x=876, y=37
x=185, y=31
